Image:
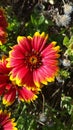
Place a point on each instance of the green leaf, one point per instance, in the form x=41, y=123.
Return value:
x=37, y=20
x=66, y=41
x=40, y=20
x=33, y=20
x=71, y=40
x=3, y=48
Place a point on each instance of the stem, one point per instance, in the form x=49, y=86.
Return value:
x=43, y=103
x=63, y=1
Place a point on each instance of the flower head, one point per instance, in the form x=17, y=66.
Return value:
x=3, y=36
x=3, y=26
x=65, y=20
x=6, y=123
x=68, y=9
x=3, y=21
x=10, y=90
x=62, y=20
x=33, y=62
x=4, y=78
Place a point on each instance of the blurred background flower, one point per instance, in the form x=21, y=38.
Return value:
x=6, y=122
x=3, y=26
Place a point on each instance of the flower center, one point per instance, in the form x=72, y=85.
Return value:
x=33, y=60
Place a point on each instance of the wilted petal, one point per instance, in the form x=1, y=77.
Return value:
x=9, y=97
x=26, y=95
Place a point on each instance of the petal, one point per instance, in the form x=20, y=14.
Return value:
x=3, y=69
x=2, y=89
x=14, y=72
x=50, y=62
x=25, y=79
x=6, y=122
x=45, y=74
x=17, y=72
x=24, y=43
x=50, y=51
x=3, y=116
x=9, y=125
x=15, y=62
x=26, y=95
x=39, y=41
x=9, y=97
x=39, y=77
x=3, y=79
x=16, y=52
x=36, y=79
x=21, y=74
x=3, y=36
x=50, y=72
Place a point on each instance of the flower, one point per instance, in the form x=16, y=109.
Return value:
x=10, y=90
x=22, y=93
x=3, y=36
x=3, y=26
x=65, y=20
x=4, y=79
x=66, y=63
x=6, y=123
x=3, y=21
x=62, y=20
x=67, y=9
x=33, y=62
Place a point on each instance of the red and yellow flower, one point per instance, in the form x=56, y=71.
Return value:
x=33, y=61
x=3, y=36
x=6, y=123
x=3, y=26
x=10, y=90
x=4, y=78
